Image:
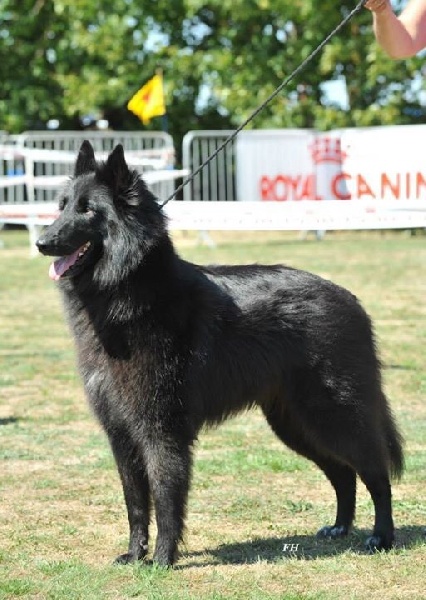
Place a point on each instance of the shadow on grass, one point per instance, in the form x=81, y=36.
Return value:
x=8, y=420
x=300, y=547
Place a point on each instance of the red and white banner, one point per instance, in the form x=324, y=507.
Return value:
x=373, y=171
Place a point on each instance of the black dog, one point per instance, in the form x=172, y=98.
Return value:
x=166, y=346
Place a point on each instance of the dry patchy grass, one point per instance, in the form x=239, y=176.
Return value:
x=254, y=506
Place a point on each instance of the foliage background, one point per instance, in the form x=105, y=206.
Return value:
x=64, y=59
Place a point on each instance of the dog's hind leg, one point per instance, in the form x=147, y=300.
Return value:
x=357, y=439
x=374, y=473
x=343, y=479
x=366, y=455
x=136, y=491
x=347, y=444
x=341, y=476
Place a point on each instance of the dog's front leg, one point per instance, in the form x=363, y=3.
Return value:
x=135, y=484
x=169, y=470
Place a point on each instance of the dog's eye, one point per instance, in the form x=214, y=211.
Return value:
x=85, y=207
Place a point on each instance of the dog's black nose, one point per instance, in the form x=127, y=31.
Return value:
x=42, y=245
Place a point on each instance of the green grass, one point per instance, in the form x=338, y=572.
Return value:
x=254, y=506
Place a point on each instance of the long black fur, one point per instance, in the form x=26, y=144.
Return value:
x=165, y=347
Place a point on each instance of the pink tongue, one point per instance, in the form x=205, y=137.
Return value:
x=60, y=266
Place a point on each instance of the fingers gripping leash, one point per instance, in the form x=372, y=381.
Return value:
x=284, y=83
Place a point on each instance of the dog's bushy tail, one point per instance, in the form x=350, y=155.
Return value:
x=394, y=442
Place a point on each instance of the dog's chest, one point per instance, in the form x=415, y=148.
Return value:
x=119, y=366
x=117, y=389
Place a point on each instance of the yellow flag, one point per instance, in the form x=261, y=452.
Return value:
x=148, y=102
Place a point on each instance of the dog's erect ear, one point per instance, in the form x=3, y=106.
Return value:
x=117, y=168
x=86, y=161
x=119, y=178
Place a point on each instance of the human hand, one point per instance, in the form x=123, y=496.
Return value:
x=377, y=6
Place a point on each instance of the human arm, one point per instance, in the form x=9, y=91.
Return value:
x=403, y=36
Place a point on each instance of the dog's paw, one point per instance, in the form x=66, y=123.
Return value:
x=377, y=543
x=332, y=531
x=126, y=559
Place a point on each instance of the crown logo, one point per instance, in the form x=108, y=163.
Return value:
x=327, y=150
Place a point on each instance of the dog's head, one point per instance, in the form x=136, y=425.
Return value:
x=108, y=221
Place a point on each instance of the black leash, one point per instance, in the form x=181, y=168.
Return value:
x=268, y=99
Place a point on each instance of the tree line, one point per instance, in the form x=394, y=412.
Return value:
x=65, y=59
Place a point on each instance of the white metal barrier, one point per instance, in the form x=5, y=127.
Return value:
x=156, y=144
x=217, y=179
x=102, y=141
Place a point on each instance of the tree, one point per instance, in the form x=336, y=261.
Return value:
x=64, y=59
x=221, y=58
x=28, y=92
x=250, y=46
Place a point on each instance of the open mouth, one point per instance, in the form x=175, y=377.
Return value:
x=67, y=266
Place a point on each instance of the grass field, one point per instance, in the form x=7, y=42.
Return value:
x=254, y=506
